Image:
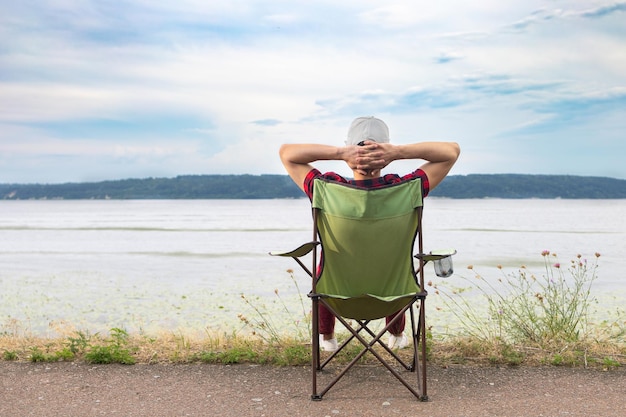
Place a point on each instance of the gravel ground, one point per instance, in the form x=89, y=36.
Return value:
x=80, y=389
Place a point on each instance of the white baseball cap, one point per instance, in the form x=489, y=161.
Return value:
x=367, y=128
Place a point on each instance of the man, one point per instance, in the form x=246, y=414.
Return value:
x=367, y=152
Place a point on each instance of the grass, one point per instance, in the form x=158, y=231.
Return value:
x=115, y=349
x=232, y=349
x=263, y=326
x=524, y=319
x=525, y=308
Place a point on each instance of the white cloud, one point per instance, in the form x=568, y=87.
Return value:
x=216, y=87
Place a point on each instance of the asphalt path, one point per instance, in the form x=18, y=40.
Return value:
x=81, y=389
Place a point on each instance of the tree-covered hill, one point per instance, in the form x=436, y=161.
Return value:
x=281, y=186
x=530, y=186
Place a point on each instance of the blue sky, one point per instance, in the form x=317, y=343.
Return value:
x=99, y=90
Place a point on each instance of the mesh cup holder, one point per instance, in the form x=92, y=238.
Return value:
x=444, y=267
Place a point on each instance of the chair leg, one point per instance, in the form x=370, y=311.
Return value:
x=315, y=349
x=362, y=326
x=420, y=354
x=419, y=340
x=415, y=338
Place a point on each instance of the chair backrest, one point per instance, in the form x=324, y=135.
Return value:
x=367, y=238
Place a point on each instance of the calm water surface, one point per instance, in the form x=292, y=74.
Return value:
x=178, y=265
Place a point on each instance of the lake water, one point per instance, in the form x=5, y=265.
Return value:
x=182, y=265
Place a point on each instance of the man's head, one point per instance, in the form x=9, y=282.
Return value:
x=367, y=128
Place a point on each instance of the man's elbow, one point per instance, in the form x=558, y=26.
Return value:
x=283, y=152
x=455, y=151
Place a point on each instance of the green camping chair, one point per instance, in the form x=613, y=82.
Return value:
x=367, y=237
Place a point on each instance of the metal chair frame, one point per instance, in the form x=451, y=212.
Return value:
x=372, y=342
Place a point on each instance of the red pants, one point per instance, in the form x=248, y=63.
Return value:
x=327, y=321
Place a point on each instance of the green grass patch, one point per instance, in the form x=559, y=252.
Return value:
x=115, y=349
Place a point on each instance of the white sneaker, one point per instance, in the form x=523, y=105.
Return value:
x=398, y=342
x=329, y=345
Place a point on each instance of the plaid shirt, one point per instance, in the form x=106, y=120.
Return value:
x=373, y=183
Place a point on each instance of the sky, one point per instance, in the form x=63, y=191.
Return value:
x=103, y=90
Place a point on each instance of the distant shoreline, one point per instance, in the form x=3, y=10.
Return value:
x=504, y=186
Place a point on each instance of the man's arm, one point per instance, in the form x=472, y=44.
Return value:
x=439, y=156
x=297, y=158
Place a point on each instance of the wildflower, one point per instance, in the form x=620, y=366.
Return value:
x=470, y=266
x=430, y=283
x=499, y=266
x=276, y=291
x=557, y=265
x=545, y=253
x=244, y=319
x=290, y=271
x=597, y=254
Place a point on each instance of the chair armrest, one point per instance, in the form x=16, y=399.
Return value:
x=299, y=252
x=442, y=260
x=435, y=255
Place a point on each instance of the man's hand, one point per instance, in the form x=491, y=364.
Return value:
x=366, y=158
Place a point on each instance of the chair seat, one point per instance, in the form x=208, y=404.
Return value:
x=368, y=306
